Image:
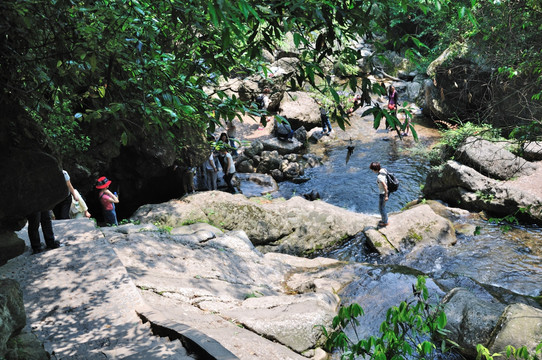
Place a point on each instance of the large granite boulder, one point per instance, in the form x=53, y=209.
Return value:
x=12, y=314
x=252, y=184
x=300, y=109
x=26, y=346
x=411, y=229
x=283, y=146
x=269, y=160
x=473, y=321
x=293, y=321
x=461, y=185
x=32, y=182
x=463, y=86
x=470, y=319
x=519, y=325
x=296, y=226
x=212, y=275
x=492, y=159
x=10, y=246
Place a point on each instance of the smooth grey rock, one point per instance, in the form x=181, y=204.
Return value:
x=460, y=185
x=295, y=226
x=255, y=184
x=26, y=346
x=300, y=109
x=412, y=228
x=12, y=314
x=520, y=325
x=283, y=147
x=255, y=149
x=493, y=159
x=10, y=246
x=470, y=319
x=293, y=321
x=226, y=281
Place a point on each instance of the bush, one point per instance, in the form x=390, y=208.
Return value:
x=406, y=332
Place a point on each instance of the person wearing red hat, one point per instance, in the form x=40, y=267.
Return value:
x=108, y=201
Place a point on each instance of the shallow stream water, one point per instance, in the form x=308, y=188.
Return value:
x=509, y=260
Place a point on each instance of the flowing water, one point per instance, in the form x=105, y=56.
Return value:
x=508, y=263
x=510, y=260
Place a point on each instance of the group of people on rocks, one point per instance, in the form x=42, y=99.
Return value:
x=73, y=206
x=221, y=155
x=284, y=131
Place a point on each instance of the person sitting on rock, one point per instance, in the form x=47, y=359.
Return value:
x=283, y=131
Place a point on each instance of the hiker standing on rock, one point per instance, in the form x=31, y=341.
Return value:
x=324, y=117
x=108, y=201
x=383, y=192
x=231, y=131
x=229, y=169
x=393, y=101
x=263, y=102
x=34, y=221
x=211, y=172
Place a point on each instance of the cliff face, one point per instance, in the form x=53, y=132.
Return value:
x=467, y=86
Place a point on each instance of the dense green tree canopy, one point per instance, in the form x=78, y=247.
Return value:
x=132, y=67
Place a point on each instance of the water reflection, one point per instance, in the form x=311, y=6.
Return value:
x=511, y=260
x=353, y=186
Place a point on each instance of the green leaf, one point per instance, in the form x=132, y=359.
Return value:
x=124, y=138
x=334, y=94
x=101, y=91
x=461, y=12
x=353, y=83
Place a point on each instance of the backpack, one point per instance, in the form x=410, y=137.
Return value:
x=393, y=182
x=259, y=101
x=284, y=130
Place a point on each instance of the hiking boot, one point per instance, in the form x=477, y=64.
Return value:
x=36, y=250
x=54, y=245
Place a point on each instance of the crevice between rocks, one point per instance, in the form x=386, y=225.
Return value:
x=197, y=344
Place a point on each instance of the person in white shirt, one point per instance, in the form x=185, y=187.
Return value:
x=383, y=192
x=229, y=169
x=211, y=173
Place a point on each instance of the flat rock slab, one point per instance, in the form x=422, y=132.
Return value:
x=412, y=228
x=223, y=286
x=80, y=301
